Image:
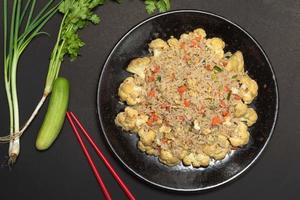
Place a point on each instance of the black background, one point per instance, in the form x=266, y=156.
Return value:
x=63, y=173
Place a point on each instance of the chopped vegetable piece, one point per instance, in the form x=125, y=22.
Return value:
x=186, y=103
x=215, y=121
x=158, y=78
x=226, y=89
x=237, y=97
x=151, y=78
x=225, y=113
x=182, y=89
x=218, y=69
x=234, y=77
x=222, y=104
x=156, y=69
x=228, y=95
x=151, y=93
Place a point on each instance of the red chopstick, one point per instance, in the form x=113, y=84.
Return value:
x=71, y=116
x=91, y=162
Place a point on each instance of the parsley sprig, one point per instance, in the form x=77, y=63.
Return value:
x=160, y=5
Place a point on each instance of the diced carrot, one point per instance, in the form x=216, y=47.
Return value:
x=149, y=122
x=181, y=89
x=215, y=121
x=154, y=117
x=194, y=43
x=222, y=104
x=151, y=93
x=156, y=69
x=224, y=63
x=186, y=103
x=151, y=78
x=237, y=97
x=226, y=88
x=208, y=67
x=186, y=57
x=225, y=113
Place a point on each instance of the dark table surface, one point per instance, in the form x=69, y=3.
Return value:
x=63, y=173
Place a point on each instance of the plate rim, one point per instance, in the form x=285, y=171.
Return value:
x=269, y=65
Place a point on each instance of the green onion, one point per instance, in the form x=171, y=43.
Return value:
x=229, y=95
x=15, y=42
x=234, y=77
x=218, y=69
x=158, y=78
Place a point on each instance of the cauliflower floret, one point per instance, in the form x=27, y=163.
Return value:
x=240, y=109
x=248, y=90
x=168, y=158
x=183, y=153
x=250, y=117
x=157, y=46
x=148, y=149
x=173, y=42
x=138, y=66
x=129, y=91
x=235, y=62
x=127, y=119
x=219, y=149
x=197, y=160
x=146, y=137
x=200, y=32
x=184, y=36
x=216, y=45
x=240, y=136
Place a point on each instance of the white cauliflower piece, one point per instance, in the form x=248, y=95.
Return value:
x=235, y=62
x=219, y=149
x=146, y=137
x=248, y=90
x=168, y=158
x=250, y=117
x=129, y=91
x=216, y=45
x=157, y=45
x=240, y=136
x=148, y=149
x=240, y=109
x=200, y=32
x=173, y=42
x=127, y=119
x=197, y=160
x=138, y=66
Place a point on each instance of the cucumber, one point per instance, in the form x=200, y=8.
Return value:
x=55, y=115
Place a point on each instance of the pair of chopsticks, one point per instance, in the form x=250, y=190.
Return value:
x=74, y=120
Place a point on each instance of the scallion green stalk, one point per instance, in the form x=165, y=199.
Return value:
x=15, y=42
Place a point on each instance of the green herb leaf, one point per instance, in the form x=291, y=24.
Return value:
x=160, y=5
x=234, y=77
x=150, y=6
x=229, y=95
x=158, y=78
x=218, y=69
x=163, y=5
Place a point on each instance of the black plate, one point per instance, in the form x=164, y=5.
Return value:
x=134, y=44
